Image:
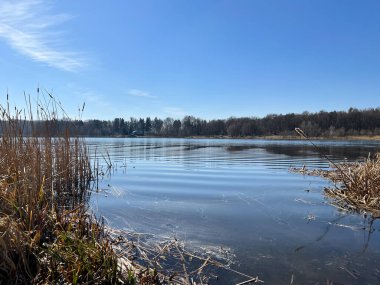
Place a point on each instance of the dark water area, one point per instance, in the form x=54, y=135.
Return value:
x=240, y=195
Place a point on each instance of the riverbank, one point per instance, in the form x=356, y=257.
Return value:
x=47, y=235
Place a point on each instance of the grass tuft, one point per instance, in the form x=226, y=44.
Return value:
x=359, y=188
x=357, y=185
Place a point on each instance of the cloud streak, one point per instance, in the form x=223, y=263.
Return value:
x=26, y=26
x=140, y=93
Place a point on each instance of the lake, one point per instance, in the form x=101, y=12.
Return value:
x=240, y=195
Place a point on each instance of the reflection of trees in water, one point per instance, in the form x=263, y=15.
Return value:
x=338, y=152
x=305, y=150
x=367, y=226
x=371, y=231
x=190, y=152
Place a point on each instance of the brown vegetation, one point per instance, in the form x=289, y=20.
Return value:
x=356, y=185
x=168, y=261
x=46, y=234
x=359, y=186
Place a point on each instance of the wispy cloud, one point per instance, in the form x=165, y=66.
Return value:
x=140, y=93
x=174, y=112
x=27, y=26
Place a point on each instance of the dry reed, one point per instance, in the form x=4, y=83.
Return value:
x=46, y=233
x=356, y=185
x=168, y=261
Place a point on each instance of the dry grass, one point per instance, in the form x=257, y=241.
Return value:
x=169, y=261
x=46, y=234
x=356, y=185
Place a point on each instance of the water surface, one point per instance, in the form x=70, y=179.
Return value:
x=239, y=194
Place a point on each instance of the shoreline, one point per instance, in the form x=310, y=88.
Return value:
x=279, y=137
x=272, y=137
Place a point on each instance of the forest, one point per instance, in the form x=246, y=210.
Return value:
x=353, y=122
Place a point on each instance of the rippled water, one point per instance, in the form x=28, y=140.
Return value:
x=239, y=194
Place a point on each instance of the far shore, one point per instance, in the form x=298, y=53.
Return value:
x=279, y=137
x=272, y=137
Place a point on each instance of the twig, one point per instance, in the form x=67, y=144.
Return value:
x=254, y=280
x=183, y=264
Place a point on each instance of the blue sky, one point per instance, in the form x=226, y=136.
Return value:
x=212, y=59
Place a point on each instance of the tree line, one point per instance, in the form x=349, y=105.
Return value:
x=321, y=124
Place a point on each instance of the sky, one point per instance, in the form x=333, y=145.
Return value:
x=209, y=59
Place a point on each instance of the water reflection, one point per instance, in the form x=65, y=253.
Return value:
x=239, y=194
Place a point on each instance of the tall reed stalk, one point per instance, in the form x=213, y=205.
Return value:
x=46, y=233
